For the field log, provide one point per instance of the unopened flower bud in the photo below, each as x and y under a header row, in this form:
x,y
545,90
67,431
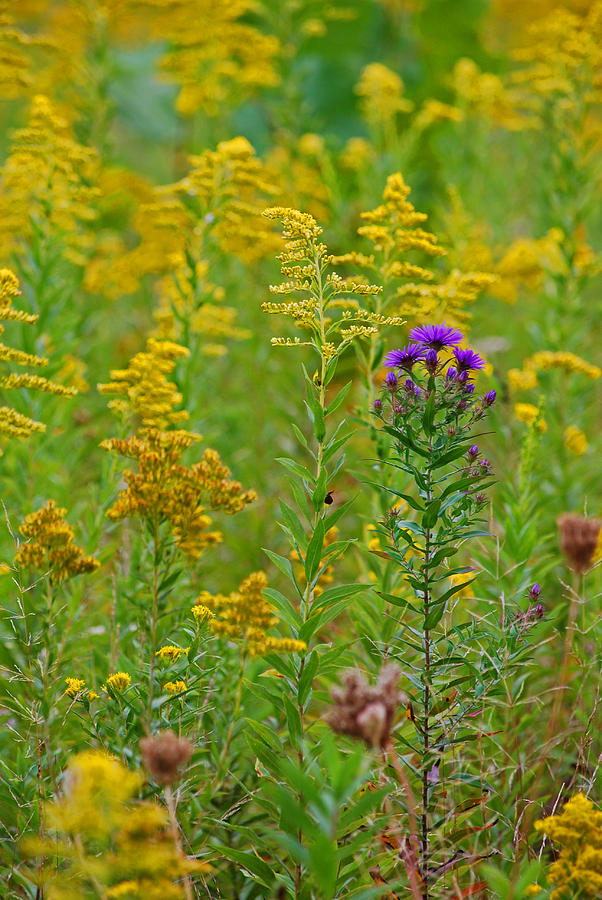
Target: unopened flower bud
x,y
431,361
164,754
489,398
535,592
451,373
463,377
378,405
472,453
391,380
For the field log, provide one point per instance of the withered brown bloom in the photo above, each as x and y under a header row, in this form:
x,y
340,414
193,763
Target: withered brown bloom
x,y
364,711
579,540
163,755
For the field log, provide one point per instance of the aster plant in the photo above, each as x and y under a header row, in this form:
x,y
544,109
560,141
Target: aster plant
x,y
429,407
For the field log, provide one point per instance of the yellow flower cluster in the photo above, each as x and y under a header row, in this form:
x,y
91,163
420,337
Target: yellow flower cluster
x,y
48,183
50,547
76,689
171,653
395,229
485,95
381,94
526,378
164,490
13,423
531,415
16,51
575,440
146,396
110,844
118,682
215,56
577,833
175,687
563,56
245,615
306,264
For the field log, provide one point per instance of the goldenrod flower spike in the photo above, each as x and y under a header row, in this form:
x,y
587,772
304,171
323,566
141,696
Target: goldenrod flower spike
x,y
50,546
13,423
577,835
245,616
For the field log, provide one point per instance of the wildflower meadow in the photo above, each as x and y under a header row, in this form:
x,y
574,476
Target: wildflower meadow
x,y
300,454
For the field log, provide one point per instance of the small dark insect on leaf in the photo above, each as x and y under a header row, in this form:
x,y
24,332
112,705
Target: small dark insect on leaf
x,y
328,499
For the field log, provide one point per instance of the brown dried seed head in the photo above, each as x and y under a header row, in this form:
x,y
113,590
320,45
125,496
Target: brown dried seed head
x,y
163,754
366,712
578,540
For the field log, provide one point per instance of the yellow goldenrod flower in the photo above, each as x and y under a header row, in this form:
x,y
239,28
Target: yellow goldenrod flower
x,y
577,834
381,93
147,396
125,841
92,695
50,546
171,653
13,423
74,686
245,616
567,362
48,178
202,613
575,440
527,412
119,681
463,578
164,490
175,687
523,380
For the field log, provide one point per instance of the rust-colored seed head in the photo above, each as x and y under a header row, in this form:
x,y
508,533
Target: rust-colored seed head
x,y
163,754
366,712
578,540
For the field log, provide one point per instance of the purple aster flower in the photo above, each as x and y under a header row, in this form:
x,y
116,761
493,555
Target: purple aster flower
x,y
468,359
451,373
436,336
405,357
489,398
472,452
391,380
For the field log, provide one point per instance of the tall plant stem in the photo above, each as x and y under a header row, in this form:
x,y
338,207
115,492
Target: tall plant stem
x,y
154,618
175,830
427,696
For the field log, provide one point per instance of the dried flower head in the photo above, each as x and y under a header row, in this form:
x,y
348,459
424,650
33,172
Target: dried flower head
x,y
366,712
579,540
164,754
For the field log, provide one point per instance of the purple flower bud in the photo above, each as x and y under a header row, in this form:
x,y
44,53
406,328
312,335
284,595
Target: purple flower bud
x,y
417,391
538,611
397,410
469,388
451,373
489,398
378,405
409,385
535,592
481,498
472,452
463,377
451,431
485,464
431,361
462,405
391,380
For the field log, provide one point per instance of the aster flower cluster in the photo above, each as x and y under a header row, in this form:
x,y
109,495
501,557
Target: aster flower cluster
x,y
438,384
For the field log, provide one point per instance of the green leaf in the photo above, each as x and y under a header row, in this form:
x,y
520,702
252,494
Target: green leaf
x,y
314,551
295,468
429,414
430,516
319,494
284,607
281,562
257,867
342,592
310,671
434,617
340,397
293,522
